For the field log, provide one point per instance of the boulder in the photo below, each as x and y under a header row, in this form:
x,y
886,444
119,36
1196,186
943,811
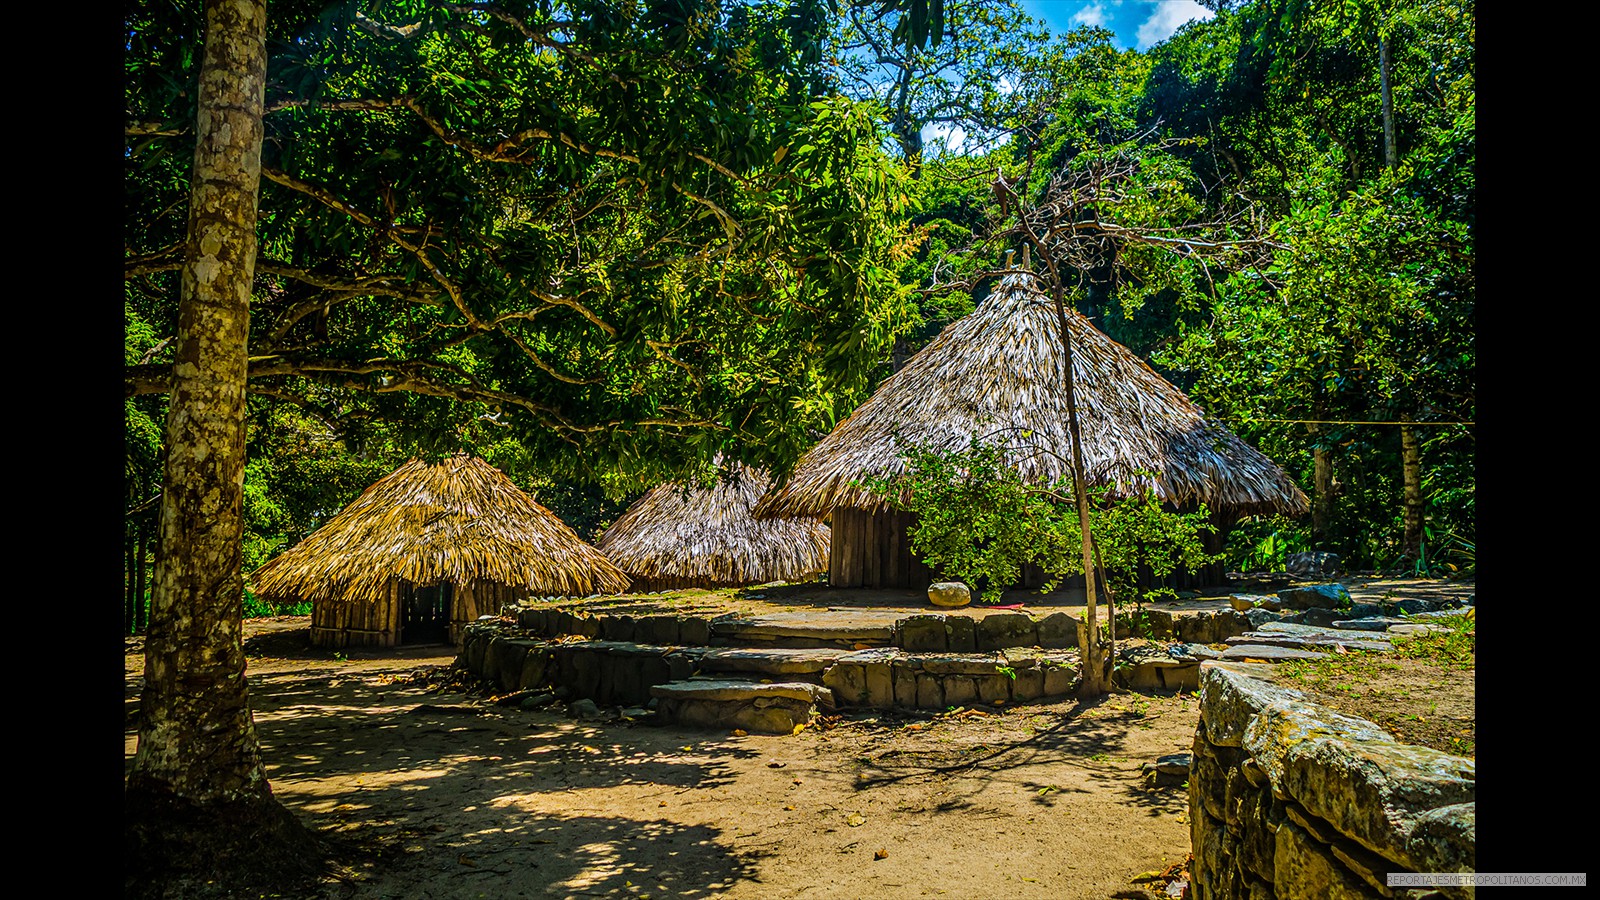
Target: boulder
x,y
949,594
923,633
1331,595
1000,630
1260,617
1313,563
1059,630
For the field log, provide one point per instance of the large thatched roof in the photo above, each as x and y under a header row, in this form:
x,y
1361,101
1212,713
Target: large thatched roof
x,y
707,534
459,521
997,373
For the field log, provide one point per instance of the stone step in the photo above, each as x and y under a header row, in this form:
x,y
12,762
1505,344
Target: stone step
x,y
773,661
1311,642
1370,623
835,628
625,673
1320,632
1170,669
808,628
1418,628
775,708
1268,653
1397,625
608,672
889,677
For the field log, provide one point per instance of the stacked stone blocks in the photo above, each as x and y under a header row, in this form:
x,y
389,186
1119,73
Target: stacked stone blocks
x,y
1292,801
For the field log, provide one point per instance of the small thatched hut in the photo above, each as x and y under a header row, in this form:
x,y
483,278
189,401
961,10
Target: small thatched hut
x,y
997,373
427,549
679,536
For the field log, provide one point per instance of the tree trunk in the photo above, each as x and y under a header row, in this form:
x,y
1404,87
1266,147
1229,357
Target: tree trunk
x,y
1391,155
197,802
1321,481
1411,469
141,615
1410,447
128,609
1322,503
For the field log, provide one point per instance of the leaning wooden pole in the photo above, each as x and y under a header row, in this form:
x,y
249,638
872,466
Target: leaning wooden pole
x,y
1093,665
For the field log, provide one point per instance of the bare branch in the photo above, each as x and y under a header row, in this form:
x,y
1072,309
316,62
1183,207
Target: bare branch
x,y
166,259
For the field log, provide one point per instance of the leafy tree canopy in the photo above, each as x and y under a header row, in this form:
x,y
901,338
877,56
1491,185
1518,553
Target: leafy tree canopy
x,y
631,235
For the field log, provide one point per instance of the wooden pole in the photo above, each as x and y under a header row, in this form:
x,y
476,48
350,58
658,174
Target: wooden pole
x,y
1093,666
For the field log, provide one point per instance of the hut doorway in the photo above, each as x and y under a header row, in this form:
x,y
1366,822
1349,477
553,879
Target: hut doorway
x,y
425,613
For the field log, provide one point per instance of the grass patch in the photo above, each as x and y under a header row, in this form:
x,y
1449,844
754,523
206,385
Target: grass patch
x,y
1420,692
1452,649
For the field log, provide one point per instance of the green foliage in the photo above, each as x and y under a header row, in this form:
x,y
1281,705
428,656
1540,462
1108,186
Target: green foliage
x,y
1137,534
257,608
1363,317
977,522
1262,544
992,65
629,235
1455,648
1366,314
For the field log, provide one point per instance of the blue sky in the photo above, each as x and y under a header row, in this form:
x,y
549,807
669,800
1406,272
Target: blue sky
x,y
1138,24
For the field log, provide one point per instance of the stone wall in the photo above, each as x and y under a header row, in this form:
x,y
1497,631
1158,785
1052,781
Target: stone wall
x,y
623,673
1294,801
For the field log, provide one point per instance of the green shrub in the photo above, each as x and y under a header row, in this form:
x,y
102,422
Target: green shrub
x,y
979,523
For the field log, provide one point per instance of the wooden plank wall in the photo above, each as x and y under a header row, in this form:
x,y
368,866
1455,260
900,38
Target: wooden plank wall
x,y
339,624
873,551
645,584
480,598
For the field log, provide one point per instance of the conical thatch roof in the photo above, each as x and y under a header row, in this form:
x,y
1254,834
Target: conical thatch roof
x,y
997,373
708,534
459,521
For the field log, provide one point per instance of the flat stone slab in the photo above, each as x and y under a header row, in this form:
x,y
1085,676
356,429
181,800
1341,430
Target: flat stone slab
x,y
1417,628
873,656
1443,613
1308,642
1370,623
741,691
798,661
863,625
1173,764
1318,631
960,664
1194,652
1269,653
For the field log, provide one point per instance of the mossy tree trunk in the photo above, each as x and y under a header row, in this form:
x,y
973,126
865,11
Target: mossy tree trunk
x,y
198,802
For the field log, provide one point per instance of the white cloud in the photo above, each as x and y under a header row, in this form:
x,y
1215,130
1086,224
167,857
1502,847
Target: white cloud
x,y
953,137
1094,15
1166,19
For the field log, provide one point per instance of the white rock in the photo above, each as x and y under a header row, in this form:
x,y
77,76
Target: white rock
x,y
949,594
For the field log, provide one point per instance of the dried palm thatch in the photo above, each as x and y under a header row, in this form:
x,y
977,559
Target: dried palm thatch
x,y
680,534
460,521
997,373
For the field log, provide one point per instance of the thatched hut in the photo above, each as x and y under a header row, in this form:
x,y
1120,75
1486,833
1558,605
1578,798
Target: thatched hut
x,y
427,549
680,536
997,373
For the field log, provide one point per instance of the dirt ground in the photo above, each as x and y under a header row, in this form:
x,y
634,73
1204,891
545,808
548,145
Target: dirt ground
x,y
449,796
463,799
